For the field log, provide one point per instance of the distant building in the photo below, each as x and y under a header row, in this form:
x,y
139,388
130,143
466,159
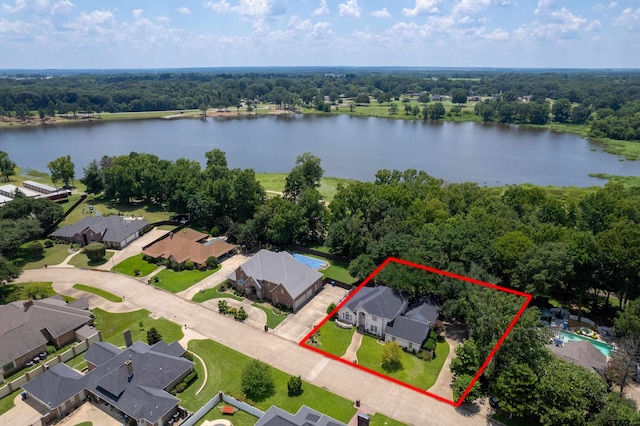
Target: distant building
x,y
189,244
32,189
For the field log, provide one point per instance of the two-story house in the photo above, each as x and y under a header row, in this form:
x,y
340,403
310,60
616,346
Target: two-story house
x,y
371,309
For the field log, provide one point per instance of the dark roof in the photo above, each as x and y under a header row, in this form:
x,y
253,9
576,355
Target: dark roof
x,y
25,325
380,301
140,395
581,353
113,229
408,329
280,268
426,311
305,416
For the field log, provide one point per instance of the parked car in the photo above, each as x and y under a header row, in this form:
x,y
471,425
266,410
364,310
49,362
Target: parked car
x,y
36,360
43,355
29,364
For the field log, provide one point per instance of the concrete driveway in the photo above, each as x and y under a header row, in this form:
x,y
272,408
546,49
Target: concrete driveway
x,y
297,325
25,412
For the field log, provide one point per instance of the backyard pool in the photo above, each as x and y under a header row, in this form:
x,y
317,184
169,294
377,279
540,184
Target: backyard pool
x,y
310,261
602,347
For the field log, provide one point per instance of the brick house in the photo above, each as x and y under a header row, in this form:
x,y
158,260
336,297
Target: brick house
x,y
189,244
112,231
278,278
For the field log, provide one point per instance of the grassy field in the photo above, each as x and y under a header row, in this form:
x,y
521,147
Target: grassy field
x,y
130,264
335,340
273,319
382,420
52,256
176,282
112,326
81,260
225,366
214,293
275,182
626,181
98,292
150,212
118,116
416,372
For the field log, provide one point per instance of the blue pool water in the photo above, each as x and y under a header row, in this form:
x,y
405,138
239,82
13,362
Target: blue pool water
x,y
602,347
309,261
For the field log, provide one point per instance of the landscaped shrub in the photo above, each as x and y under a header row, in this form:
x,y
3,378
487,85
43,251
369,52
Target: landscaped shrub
x,y
432,334
232,311
175,266
257,381
188,355
215,231
241,315
331,307
191,377
48,243
223,307
212,262
51,349
153,336
95,251
189,265
180,387
294,385
136,272
34,249
429,345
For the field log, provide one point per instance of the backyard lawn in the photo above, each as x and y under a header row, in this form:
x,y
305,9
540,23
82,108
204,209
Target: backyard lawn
x,y
176,282
112,326
129,266
52,256
150,212
273,319
335,340
275,182
416,372
337,270
81,260
32,290
98,292
225,366
214,293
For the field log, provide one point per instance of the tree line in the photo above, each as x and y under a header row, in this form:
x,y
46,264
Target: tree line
x,y
608,101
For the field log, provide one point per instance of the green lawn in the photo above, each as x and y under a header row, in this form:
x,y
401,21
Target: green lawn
x,y
6,403
85,424
225,366
81,260
336,270
335,340
275,182
52,256
273,319
77,362
112,326
99,292
129,265
239,418
382,420
416,372
176,282
214,293
150,212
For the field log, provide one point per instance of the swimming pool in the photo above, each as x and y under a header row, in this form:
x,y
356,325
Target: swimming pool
x,y
310,261
602,347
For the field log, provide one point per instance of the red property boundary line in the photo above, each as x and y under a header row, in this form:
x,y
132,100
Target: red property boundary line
x,y
460,400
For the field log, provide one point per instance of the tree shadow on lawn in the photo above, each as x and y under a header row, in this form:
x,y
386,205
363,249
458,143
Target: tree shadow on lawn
x,y
97,262
468,409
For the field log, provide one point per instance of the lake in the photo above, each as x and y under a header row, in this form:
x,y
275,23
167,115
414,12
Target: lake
x,y
350,147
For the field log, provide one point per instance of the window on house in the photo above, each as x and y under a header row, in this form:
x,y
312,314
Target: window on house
x,y
374,329
8,366
410,345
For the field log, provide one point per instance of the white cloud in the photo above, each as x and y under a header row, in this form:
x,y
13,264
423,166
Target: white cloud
x,y
628,18
323,9
555,25
470,6
38,6
504,2
15,28
62,6
422,7
382,13
221,6
613,5
184,10
350,8
137,12
544,5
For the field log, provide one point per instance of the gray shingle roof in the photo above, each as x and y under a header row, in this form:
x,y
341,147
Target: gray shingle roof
x,y
113,229
101,352
408,329
56,385
141,396
426,311
23,330
281,268
581,353
380,301
305,416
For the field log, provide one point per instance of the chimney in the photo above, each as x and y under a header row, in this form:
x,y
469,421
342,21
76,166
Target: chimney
x,y
129,365
27,305
127,338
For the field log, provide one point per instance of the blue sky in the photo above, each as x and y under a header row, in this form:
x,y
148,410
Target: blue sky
x,y
214,33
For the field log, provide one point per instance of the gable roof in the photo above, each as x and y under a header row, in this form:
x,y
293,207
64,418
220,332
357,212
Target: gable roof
x,y
581,353
276,416
425,311
140,395
184,245
408,329
280,268
381,301
26,325
113,229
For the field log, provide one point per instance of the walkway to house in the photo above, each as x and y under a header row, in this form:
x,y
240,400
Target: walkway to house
x,y
352,350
